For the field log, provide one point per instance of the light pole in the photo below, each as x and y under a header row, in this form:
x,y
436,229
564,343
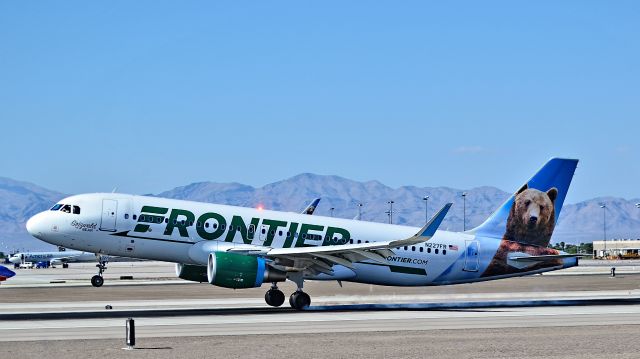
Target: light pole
x,y
604,227
426,208
464,211
390,212
360,211
332,209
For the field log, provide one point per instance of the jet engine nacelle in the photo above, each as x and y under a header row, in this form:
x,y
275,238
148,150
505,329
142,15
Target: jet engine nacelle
x,y
232,270
191,272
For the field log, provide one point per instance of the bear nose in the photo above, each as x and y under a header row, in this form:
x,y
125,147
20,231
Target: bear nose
x,y
533,219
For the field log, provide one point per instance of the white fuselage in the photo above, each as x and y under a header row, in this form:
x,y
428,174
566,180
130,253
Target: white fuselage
x,y
175,231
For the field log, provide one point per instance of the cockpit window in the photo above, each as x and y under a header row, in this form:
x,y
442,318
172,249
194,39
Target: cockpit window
x,y
66,208
76,210
56,207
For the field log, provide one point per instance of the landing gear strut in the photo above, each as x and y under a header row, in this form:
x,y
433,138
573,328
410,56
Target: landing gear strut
x,y
274,296
97,280
299,300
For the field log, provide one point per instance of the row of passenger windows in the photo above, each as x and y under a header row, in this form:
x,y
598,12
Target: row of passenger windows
x,y
316,237
66,208
406,248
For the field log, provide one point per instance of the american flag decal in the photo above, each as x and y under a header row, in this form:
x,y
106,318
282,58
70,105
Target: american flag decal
x,y
453,248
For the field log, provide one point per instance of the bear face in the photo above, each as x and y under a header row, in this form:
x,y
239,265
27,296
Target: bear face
x,y
532,216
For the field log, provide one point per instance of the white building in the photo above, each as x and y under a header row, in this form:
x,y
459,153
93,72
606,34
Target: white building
x,y
624,248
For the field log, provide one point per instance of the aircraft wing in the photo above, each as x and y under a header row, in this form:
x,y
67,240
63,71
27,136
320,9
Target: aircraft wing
x,y
321,259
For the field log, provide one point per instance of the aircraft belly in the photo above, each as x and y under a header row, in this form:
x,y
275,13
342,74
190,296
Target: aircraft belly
x,y
397,275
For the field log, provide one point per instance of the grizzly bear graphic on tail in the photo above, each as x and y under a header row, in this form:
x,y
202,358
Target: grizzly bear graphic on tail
x,y
529,227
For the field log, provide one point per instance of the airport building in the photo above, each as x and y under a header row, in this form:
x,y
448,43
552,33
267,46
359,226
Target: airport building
x,y
620,248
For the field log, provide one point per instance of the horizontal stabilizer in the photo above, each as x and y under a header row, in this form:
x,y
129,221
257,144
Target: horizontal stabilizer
x,y
542,258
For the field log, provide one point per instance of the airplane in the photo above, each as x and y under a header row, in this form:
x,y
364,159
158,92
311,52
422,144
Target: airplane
x,y
237,247
5,273
56,258
311,207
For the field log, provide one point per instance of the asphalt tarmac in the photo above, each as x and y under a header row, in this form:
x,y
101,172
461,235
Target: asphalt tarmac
x,y
567,315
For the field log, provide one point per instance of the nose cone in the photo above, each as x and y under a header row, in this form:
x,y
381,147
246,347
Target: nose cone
x,y
35,226
14,260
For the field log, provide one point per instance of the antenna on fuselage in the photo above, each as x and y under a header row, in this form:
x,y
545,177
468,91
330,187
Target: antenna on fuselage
x,y
114,189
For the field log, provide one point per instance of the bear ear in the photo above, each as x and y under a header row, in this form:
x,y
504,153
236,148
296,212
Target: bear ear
x,y
553,194
525,187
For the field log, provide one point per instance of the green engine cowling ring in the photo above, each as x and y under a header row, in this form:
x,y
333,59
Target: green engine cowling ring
x,y
232,270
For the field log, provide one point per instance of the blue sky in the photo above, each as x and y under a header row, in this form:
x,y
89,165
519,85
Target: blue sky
x,y
149,95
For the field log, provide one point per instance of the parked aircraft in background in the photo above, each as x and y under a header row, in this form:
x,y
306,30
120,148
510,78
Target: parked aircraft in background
x,y
55,258
311,207
237,247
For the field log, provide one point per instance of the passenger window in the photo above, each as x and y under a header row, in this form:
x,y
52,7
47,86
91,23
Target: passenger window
x,y
358,241
126,216
413,248
198,224
436,250
206,224
428,250
406,248
215,226
166,220
288,234
66,208
264,231
421,249
230,228
223,226
251,228
351,241
444,251
134,217
280,233
304,236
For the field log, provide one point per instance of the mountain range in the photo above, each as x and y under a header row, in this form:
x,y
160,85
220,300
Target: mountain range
x,y
579,222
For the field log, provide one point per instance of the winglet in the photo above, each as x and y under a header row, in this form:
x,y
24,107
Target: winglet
x,y
430,228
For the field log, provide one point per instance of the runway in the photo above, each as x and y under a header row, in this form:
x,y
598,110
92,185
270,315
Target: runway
x,y
518,317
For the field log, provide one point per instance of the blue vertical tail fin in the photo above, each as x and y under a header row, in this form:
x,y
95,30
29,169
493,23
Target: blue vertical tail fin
x,y
529,215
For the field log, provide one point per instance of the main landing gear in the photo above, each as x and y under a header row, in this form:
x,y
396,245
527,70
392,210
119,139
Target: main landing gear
x,y
97,280
299,300
274,296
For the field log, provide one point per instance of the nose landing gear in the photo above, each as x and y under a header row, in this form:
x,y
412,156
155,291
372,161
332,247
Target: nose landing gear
x,y
97,280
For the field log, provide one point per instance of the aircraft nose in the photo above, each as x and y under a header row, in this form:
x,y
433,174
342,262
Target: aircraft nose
x,y
14,260
35,225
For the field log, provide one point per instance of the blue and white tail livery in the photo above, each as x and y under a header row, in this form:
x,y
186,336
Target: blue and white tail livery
x,y
238,247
